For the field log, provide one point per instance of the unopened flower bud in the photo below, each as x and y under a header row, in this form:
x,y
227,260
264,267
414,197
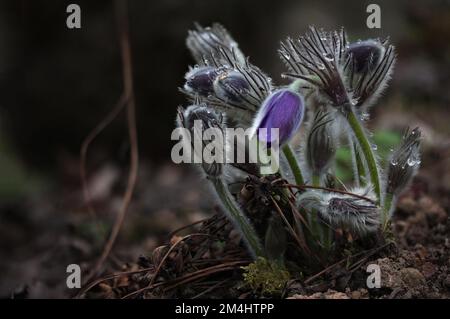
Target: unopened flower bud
x,y
200,80
404,163
360,215
365,54
205,43
282,110
231,86
321,143
207,118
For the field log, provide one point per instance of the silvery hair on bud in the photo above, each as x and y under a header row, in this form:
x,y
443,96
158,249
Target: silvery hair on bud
x,y
369,84
210,119
359,215
321,142
205,43
404,162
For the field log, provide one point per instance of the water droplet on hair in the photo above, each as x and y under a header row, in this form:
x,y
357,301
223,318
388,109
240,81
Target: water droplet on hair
x,y
321,66
374,147
328,56
365,116
412,161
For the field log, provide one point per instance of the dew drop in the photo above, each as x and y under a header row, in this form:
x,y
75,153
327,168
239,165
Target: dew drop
x,y
328,56
321,66
374,147
411,162
364,116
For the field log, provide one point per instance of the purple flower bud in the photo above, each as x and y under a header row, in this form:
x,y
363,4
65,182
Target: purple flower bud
x,y
366,54
283,110
231,86
200,80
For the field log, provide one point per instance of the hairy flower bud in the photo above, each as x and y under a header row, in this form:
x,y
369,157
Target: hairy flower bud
x,y
207,118
282,110
316,58
321,143
365,54
238,87
404,162
199,80
368,68
357,213
205,44
231,86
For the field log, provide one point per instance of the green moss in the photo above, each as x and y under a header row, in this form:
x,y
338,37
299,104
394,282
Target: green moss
x,y
267,276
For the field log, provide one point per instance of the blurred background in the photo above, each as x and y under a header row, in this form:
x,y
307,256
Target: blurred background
x,y
57,84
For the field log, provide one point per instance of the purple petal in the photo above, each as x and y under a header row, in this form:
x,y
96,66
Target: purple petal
x,y
283,110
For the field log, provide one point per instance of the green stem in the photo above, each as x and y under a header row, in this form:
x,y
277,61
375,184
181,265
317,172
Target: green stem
x,y
322,231
388,200
359,167
293,163
313,223
359,171
316,180
238,217
366,149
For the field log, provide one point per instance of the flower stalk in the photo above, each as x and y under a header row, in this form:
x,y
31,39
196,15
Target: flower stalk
x,y
294,165
367,151
238,217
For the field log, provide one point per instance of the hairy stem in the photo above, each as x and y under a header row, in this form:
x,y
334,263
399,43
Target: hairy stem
x,y
388,200
313,222
367,151
238,217
321,230
360,167
359,172
293,163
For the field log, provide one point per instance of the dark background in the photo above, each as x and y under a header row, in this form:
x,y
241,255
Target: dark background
x,y
57,83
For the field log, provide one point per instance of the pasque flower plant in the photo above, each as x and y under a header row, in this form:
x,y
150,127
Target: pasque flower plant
x,y
333,83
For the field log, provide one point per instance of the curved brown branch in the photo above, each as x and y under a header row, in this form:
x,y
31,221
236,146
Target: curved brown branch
x,y
84,150
122,20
